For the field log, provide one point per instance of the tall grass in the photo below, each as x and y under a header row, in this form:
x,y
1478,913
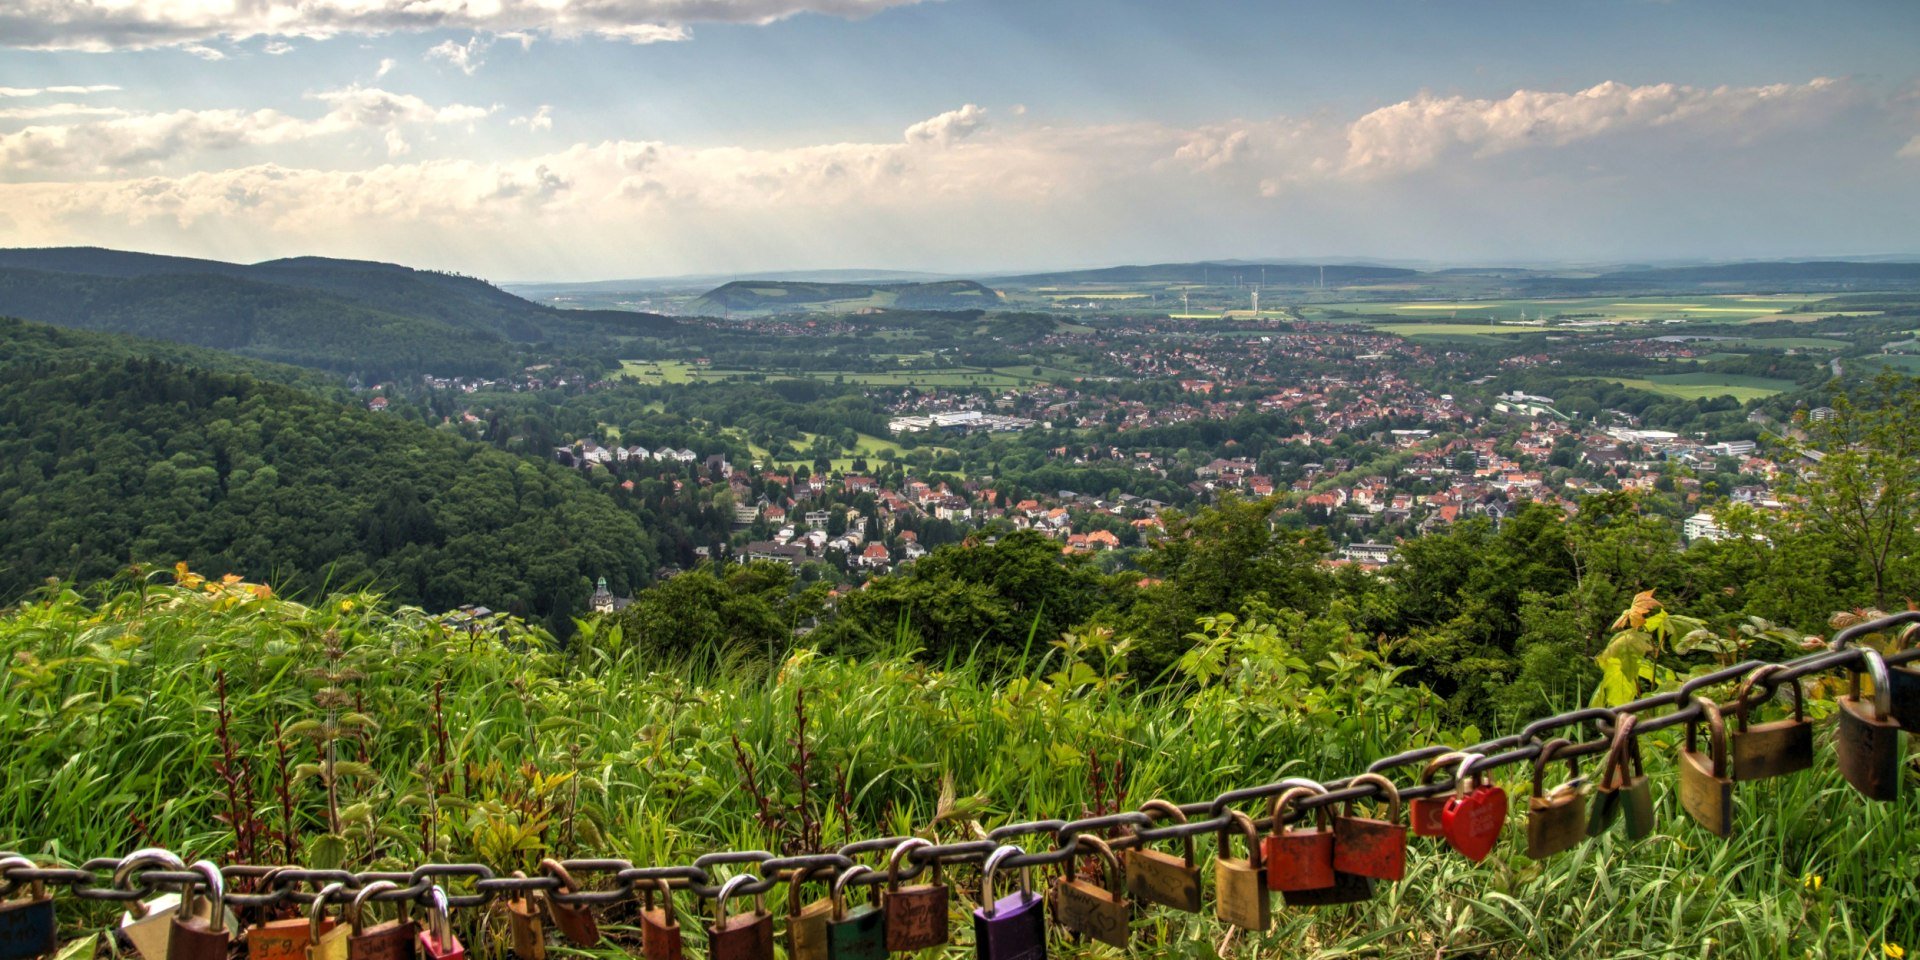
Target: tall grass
x,y
110,737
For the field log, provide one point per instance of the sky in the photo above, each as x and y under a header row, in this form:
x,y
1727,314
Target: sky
x,y
526,140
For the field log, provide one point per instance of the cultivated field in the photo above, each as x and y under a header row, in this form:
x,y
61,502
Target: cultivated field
x,y
1692,386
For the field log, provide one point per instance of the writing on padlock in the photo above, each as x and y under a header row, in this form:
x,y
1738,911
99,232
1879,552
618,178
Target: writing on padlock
x,y
281,938
1102,910
917,914
1163,878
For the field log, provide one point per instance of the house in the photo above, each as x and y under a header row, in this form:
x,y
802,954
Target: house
x,y
874,557
1702,526
788,553
377,404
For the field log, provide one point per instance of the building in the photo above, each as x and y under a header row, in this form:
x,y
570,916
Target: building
x,y
1702,526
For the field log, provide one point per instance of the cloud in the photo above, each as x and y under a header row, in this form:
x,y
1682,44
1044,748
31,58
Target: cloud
x,y
138,24
386,67
467,56
949,127
1912,149
276,48
66,90
542,119
59,110
131,141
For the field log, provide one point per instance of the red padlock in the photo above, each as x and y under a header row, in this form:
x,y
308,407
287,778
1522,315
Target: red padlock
x,y
1423,813
437,940
1474,817
1298,859
1368,847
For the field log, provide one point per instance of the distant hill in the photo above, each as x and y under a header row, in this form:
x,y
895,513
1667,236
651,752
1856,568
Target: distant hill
x,y
775,296
1788,272
349,316
1218,272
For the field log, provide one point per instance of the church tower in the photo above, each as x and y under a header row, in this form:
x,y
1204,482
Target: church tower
x,y
602,599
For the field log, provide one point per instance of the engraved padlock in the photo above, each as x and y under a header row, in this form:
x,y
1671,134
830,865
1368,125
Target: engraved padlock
x,y
1867,742
326,938
857,933
575,921
437,939
1557,818
148,924
394,939
660,937
195,937
526,925
1367,847
1098,910
28,927
1013,927
1240,896
1706,789
1774,748
1423,813
1298,859
916,914
1162,878
807,922
740,936
279,938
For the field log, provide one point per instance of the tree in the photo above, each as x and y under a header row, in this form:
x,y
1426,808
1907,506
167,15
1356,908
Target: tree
x,y
1863,489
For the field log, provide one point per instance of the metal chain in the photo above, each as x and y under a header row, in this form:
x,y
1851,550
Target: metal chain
x,y
283,885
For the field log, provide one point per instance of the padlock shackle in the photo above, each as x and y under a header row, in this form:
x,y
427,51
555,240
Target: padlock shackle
x,y
1742,699
1876,667
1163,810
1387,790
1000,853
900,852
840,885
1255,857
1099,847
1462,779
646,886
439,917
1624,747
1434,766
216,891
37,887
360,900
794,879
1277,814
318,911
1548,751
558,870
720,900
1716,733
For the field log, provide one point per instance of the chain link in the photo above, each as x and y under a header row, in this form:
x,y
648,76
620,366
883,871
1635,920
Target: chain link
x,y
291,885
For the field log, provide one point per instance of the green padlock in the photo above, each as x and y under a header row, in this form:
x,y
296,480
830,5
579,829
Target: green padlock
x,y
859,933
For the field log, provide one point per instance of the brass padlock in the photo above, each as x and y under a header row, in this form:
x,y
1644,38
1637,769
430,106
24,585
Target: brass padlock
x,y
195,937
1623,787
859,933
1423,813
1556,819
1366,846
660,937
326,939
148,924
741,936
1240,890
1771,749
917,916
574,920
1158,877
283,938
1090,909
807,925
395,939
1867,743
1706,791
28,927
526,926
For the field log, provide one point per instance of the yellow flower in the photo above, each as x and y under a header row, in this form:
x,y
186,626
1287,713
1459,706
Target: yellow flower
x,y
1892,950
186,578
346,606
261,591
230,578
1812,881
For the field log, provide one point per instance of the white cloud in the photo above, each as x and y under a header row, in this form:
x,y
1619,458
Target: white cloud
x,y
135,24
276,48
949,127
67,90
542,119
467,56
203,51
59,110
386,67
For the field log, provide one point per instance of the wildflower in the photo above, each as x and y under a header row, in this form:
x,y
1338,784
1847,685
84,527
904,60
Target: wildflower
x,y
261,591
1892,950
186,578
1812,881
346,606
230,579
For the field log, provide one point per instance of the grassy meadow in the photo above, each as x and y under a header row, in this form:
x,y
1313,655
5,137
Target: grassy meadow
x,y
1693,386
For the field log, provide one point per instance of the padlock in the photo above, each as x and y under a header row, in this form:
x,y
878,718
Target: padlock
x,y
1091,909
916,915
1298,859
28,927
1623,785
1365,847
148,924
742,936
1903,694
526,925
326,938
1476,813
1774,748
1240,895
1158,877
1013,927
574,920
1706,792
1346,888
1423,813
280,939
807,925
195,937
859,933
391,940
437,939
659,926
1867,743
1556,819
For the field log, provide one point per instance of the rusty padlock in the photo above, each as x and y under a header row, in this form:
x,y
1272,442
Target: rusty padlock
x,y
1298,859
741,936
1706,791
1158,877
807,925
148,924
526,925
27,924
859,933
659,926
1623,787
574,920
284,938
1867,743
1423,813
394,939
1366,847
1771,749
326,939
437,939
1240,895
1013,927
1557,818
195,937
916,915
1087,909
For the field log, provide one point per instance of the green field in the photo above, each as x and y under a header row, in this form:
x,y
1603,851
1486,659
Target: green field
x,y
1715,309
1693,386
1786,343
1905,363
1455,330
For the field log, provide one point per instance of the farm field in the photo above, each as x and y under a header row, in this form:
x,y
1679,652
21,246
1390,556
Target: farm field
x,y
1786,343
1693,386
1903,362
1455,330
1717,309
